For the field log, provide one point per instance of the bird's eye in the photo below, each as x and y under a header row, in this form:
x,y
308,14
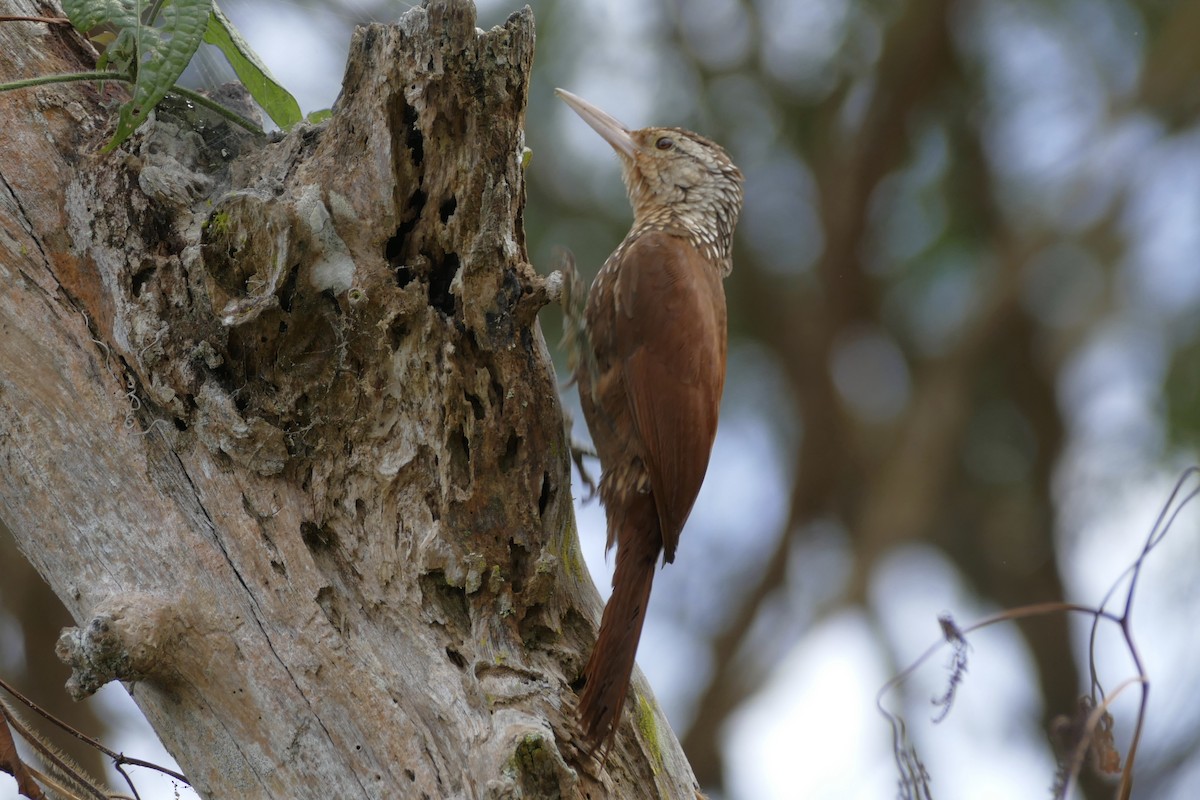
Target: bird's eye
x,y
664,143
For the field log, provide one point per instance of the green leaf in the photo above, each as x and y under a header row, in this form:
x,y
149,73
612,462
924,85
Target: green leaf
x,y
254,75
119,52
86,15
318,116
163,54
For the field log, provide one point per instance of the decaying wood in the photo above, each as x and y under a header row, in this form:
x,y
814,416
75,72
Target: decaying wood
x,y
280,428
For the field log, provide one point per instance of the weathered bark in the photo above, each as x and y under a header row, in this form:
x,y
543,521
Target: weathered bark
x,y
279,427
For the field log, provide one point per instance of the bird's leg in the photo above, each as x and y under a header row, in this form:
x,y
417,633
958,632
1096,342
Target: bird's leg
x,y
579,451
579,354
575,339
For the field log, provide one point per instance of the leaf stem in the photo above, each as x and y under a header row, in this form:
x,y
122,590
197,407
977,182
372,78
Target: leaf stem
x,y
214,106
195,97
47,20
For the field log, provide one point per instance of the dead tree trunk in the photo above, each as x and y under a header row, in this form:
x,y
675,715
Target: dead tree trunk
x,y
279,427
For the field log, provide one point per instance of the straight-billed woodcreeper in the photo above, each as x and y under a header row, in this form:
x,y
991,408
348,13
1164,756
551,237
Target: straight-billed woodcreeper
x,y
651,384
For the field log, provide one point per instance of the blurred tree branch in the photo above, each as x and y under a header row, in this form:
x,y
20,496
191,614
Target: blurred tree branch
x,y
894,483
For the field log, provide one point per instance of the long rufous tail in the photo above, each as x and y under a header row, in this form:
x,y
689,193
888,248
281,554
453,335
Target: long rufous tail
x,y
610,667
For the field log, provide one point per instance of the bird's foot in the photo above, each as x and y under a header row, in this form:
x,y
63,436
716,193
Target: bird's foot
x,y
579,451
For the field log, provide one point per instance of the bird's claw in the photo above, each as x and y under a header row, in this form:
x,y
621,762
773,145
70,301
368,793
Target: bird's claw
x,y
579,451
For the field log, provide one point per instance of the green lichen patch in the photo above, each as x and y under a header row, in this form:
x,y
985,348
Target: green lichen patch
x,y
647,724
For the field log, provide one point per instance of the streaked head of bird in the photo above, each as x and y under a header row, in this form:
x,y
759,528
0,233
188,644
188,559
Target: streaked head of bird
x,y
674,178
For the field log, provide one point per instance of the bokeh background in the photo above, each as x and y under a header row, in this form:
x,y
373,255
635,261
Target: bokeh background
x,y
964,369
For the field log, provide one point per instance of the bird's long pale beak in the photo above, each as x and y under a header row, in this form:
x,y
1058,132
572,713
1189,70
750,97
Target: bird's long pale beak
x,y
609,127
